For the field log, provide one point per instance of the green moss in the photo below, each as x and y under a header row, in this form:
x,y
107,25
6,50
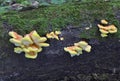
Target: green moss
x,y
59,16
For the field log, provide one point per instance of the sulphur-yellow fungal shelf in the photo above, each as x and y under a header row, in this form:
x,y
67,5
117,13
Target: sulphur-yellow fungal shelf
x,y
105,30
16,38
112,29
54,35
77,48
31,43
103,21
84,45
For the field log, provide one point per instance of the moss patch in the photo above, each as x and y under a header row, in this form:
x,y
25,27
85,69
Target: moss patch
x,y
56,17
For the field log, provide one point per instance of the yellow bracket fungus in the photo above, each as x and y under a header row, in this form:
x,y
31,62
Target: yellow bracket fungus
x,y
54,35
105,30
103,21
77,48
31,43
16,38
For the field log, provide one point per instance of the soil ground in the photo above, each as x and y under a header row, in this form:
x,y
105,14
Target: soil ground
x,y
54,64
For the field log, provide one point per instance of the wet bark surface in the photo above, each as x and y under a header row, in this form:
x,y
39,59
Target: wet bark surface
x,y
54,64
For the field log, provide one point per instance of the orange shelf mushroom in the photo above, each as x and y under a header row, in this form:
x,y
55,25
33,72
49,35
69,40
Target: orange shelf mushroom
x,y
31,43
77,48
16,38
105,30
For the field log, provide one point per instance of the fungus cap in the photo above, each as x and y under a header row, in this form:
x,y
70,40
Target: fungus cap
x,y
53,35
15,35
61,38
78,48
15,42
82,44
104,35
103,27
112,29
88,48
26,40
31,55
70,50
103,21
44,44
57,32
18,50
35,36
103,31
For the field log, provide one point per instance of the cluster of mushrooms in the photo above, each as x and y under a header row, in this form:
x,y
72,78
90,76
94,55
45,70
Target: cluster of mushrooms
x,y
54,35
77,48
32,43
106,29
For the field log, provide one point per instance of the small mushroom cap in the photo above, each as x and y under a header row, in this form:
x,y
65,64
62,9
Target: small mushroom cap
x,y
56,37
15,41
103,27
87,28
26,40
83,44
49,35
31,55
15,35
103,21
61,38
26,50
73,52
18,50
33,49
80,52
70,50
112,29
52,35
35,36
76,44
88,48
44,44
78,48
57,32
103,31
39,50
16,38
40,40
104,35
